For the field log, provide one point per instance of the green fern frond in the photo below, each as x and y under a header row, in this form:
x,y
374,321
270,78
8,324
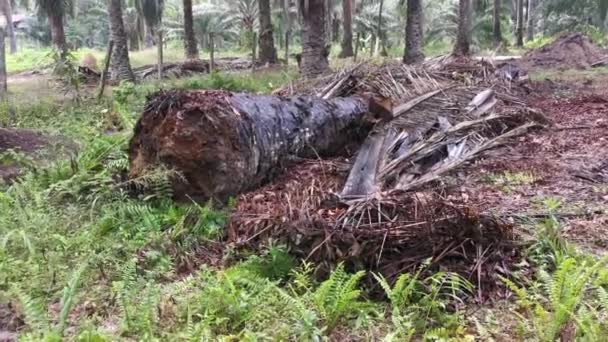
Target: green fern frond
x,y
68,296
33,310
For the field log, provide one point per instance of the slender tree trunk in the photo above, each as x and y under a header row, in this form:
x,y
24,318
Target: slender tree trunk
x,y
327,21
3,76
379,40
121,67
519,33
189,38
268,53
463,39
57,32
602,11
7,11
497,28
148,36
513,7
314,52
285,4
413,33
159,45
347,37
530,24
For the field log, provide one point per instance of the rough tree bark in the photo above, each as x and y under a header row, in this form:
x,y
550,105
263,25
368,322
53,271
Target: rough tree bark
x,y
531,21
519,31
379,38
57,32
7,11
347,37
148,36
314,56
225,143
413,33
121,66
463,39
497,32
3,75
189,38
267,53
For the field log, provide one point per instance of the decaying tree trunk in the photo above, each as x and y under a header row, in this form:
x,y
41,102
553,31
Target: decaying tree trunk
x,y
225,143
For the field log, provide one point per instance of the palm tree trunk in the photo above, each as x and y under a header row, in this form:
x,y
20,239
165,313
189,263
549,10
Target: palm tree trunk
x,y
519,33
7,11
267,53
189,38
463,39
57,32
413,33
148,36
497,28
379,40
314,52
121,66
347,37
3,76
530,23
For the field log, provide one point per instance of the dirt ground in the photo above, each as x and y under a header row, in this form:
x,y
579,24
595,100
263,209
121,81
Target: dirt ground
x,y
567,162
569,50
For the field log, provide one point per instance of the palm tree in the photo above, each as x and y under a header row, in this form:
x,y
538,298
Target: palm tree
x,y
314,52
530,23
496,22
519,30
7,11
413,33
55,10
121,67
463,38
347,37
189,38
268,53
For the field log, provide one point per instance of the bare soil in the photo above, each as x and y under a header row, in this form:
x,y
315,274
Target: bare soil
x,y
568,51
568,162
10,323
35,146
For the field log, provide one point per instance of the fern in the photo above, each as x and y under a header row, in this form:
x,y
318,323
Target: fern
x,y
33,310
337,297
68,297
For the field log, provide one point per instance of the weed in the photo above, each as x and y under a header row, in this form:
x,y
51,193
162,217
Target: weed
x,y
508,180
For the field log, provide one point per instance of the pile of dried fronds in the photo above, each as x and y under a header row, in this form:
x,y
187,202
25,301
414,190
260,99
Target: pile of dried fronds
x,y
377,217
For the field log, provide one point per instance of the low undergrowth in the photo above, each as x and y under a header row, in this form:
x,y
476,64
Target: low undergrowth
x,y
84,257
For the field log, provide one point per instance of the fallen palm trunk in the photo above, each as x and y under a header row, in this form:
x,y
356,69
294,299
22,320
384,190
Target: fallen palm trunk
x,y
191,68
224,143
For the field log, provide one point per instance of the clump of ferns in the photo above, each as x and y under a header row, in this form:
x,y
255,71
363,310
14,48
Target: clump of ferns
x,y
155,183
